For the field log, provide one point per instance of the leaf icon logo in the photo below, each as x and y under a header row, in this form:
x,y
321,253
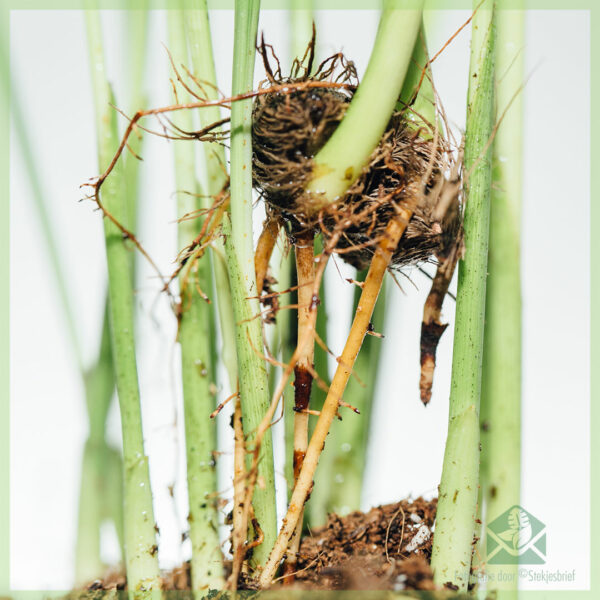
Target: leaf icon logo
x,y
519,532
516,537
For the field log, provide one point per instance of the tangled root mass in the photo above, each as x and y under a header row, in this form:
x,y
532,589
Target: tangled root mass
x,y
407,168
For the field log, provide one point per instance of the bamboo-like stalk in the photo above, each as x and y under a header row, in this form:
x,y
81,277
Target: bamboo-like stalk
x,y
455,522
102,468
203,65
340,162
501,378
195,316
360,326
237,228
140,538
200,46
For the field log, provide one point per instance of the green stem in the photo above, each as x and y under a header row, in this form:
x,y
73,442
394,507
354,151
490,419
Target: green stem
x,y
455,522
203,66
100,380
417,90
140,539
196,357
237,228
338,164
302,16
501,379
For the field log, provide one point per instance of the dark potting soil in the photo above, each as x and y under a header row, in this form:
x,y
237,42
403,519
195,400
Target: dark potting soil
x,y
387,548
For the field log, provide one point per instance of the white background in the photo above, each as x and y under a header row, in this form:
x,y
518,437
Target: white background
x,y
48,426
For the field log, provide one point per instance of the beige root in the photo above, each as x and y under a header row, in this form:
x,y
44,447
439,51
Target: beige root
x,y
381,260
264,250
240,515
307,338
249,476
305,268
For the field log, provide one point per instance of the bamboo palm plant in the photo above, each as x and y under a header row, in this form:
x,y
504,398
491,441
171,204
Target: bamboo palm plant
x,y
218,260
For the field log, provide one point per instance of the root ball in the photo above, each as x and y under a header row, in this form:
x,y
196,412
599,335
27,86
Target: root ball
x,y
287,131
408,169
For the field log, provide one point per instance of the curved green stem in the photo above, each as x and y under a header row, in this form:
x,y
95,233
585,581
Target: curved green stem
x,y
340,162
455,522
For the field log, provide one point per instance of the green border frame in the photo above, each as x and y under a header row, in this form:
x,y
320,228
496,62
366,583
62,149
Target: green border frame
x,y
7,5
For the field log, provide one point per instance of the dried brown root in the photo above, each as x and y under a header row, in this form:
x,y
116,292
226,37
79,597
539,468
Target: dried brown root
x,y
210,133
432,328
360,325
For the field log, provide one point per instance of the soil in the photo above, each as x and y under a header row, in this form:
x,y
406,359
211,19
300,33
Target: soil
x,y
387,548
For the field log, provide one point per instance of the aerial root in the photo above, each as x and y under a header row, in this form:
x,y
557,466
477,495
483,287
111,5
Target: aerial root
x,y
303,374
432,328
379,264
